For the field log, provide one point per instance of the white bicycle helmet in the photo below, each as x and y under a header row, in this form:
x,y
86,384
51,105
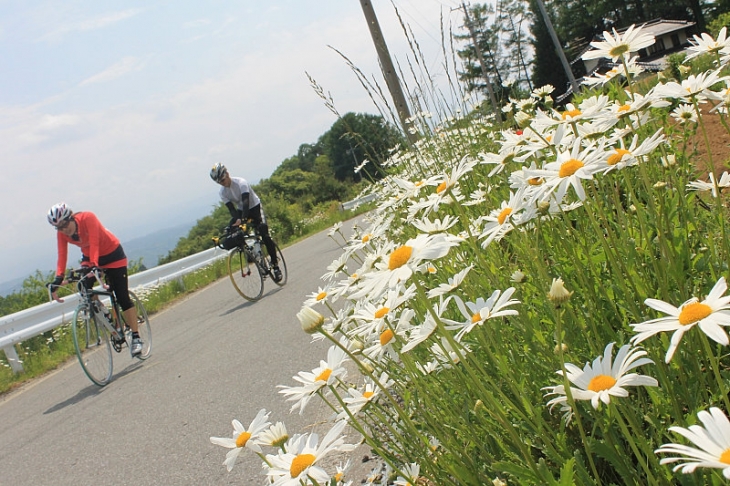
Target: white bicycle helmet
x,y
217,172
59,213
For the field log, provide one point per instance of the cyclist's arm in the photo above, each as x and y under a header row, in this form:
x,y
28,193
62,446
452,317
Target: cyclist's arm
x,y
62,254
244,205
235,213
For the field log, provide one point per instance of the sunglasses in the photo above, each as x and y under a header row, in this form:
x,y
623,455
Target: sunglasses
x,y
63,225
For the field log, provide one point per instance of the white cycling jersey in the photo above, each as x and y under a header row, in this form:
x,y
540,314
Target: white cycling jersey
x,y
233,193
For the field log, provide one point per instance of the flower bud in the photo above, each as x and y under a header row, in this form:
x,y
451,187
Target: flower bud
x,y
558,293
310,319
518,277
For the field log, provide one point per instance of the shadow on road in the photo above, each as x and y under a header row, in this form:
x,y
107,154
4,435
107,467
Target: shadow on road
x,y
249,303
89,391
94,390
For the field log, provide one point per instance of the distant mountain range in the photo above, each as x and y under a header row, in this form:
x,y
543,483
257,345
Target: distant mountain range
x,y
150,248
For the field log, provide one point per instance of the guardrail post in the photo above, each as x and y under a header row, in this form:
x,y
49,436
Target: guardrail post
x,y
13,359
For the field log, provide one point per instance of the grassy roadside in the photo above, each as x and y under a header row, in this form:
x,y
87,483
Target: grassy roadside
x,y
50,350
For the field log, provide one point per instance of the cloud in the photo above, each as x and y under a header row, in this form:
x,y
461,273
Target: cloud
x,y
117,70
93,23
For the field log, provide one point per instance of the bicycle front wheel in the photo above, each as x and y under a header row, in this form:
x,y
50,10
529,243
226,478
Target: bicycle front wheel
x,y
93,347
245,275
143,326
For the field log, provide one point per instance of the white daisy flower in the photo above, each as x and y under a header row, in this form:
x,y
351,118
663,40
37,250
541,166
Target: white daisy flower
x,y
301,461
402,262
711,185
684,113
327,373
712,438
274,436
603,379
568,170
243,437
450,285
621,157
705,44
482,310
695,88
710,315
619,46
411,472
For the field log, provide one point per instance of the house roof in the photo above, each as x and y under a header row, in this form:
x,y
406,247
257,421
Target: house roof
x,y
659,27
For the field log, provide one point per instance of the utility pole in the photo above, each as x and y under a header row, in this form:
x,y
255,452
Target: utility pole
x,y
386,65
485,73
558,47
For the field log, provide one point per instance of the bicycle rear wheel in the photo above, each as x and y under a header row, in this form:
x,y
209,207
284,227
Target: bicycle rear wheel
x,y
143,326
282,266
93,346
245,275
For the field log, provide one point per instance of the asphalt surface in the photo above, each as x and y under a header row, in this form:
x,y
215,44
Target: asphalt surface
x,y
215,357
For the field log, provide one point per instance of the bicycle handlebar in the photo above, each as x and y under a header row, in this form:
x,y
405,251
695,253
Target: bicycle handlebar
x,y
247,228
75,276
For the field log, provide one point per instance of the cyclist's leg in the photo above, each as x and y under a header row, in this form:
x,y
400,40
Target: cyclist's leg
x,y
119,284
259,218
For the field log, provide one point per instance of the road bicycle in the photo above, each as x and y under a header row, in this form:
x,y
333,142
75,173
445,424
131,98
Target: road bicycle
x,y
249,263
96,330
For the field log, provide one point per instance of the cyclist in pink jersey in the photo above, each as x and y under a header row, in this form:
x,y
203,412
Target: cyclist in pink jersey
x,y
100,249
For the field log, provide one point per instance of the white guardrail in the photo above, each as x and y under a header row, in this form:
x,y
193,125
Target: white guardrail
x,y
28,323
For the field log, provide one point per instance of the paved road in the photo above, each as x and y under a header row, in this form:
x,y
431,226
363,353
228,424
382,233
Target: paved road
x,y
215,357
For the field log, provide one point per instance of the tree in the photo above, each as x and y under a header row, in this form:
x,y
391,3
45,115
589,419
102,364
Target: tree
x,y
547,68
504,44
356,138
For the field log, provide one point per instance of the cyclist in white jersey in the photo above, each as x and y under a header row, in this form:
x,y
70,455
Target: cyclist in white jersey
x,y
243,204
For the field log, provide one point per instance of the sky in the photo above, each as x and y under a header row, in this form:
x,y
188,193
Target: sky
x,y
121,108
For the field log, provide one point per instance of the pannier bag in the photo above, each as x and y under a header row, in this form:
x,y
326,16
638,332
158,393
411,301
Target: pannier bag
x,y
233,240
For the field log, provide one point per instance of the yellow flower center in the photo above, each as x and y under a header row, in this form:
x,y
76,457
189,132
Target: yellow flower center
x,y
300,463
419,183
324,376
368,394
503,215
476,318
570,167
619,50
615,158
321,296
339,476
381,312
242,439
399,257
431,269
366,238
535,181
623,108
441,187
601,382
571,113
385,337
693,312
725,456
